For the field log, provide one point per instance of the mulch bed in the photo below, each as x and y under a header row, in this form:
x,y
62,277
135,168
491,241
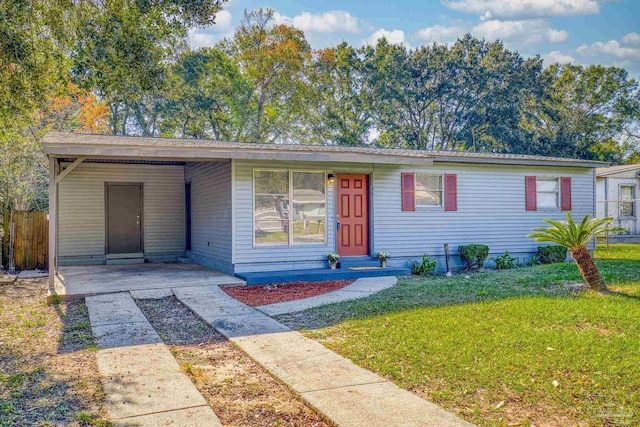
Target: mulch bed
x,y
272,293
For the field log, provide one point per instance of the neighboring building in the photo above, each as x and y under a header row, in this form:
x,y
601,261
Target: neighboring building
x,y
240,207
617,196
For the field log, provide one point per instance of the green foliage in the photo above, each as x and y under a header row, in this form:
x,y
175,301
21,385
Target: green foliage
x,y
552,254
505,261
383,256
424,267
575,237
473,255
534,260
571,234
333,258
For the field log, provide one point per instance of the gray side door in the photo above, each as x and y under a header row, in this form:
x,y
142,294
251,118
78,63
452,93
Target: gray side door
x,y
124,218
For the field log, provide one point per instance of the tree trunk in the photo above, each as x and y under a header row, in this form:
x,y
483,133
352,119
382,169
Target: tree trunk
x,y
588,268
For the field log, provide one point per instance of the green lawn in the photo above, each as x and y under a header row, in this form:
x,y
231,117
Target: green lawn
x,y
515,347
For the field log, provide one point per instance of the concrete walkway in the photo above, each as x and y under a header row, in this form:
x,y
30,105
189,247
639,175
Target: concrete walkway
x,y
142,381
361,288
345,393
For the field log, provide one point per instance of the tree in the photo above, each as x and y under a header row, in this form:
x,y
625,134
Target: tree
x,y
339,97
122,50
33,64
76,110
272,59
575,237
209,97
584,109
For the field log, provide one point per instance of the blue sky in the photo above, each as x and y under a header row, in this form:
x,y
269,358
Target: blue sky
x,y
578,31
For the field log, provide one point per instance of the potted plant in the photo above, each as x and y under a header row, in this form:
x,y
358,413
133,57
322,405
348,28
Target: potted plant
x,y
383,257
333,259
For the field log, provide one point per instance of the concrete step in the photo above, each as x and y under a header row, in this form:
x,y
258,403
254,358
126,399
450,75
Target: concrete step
x,y
184,260
125,261
319,275
359,261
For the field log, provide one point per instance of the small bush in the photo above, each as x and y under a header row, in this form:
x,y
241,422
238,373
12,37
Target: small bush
x,y
505,261
552,254
425,267
473,255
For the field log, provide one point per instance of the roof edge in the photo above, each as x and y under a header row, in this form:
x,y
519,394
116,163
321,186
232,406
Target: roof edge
x,y
65,144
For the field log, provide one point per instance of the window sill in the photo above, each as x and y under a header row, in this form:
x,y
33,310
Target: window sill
x,y
283,246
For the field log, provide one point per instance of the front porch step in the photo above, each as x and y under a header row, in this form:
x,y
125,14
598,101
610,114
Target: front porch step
x,y
319,275
184,260
125,261
359,261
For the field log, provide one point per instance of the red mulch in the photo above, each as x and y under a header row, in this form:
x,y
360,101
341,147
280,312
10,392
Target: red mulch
x,y
268,294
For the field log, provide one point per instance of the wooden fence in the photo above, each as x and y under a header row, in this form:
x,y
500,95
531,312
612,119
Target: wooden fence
x,y
30,239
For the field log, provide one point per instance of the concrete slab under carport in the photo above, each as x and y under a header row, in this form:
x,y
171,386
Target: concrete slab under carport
x,y
74,282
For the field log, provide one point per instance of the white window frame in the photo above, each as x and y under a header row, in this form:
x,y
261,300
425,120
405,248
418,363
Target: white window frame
x,y
290,242
557,193
632,201
441,190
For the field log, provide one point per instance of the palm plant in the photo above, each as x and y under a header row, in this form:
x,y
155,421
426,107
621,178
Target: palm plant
x,y
575,236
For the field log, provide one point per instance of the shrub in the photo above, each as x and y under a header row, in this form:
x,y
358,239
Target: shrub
x,y
552,254
333,258
473,255
505,261
425,267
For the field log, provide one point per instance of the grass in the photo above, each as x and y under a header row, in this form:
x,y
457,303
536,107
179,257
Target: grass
x,y
517,347
48,368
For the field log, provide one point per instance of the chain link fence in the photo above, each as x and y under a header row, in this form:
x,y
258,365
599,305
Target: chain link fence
x,y
625,214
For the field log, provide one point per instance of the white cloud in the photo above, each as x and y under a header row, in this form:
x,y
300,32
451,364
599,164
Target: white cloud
x,y
559,57
612,48
393,37
528,30
631,39
208,36
441,33
620,53
514,9
335,21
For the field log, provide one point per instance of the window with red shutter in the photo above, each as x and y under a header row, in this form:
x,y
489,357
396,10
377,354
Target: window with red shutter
x,y
408,192
531,202
565,193
450,192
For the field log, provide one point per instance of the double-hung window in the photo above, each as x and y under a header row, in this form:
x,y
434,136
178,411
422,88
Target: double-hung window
x,y
428,190
289,207
627,200
548,193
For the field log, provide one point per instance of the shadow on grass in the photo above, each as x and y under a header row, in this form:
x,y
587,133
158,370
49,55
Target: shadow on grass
x,y
31,395
548,281
43,380
76,328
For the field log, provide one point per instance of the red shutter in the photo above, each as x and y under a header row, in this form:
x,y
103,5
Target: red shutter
x,y
565,193
408,192
450,192
530,193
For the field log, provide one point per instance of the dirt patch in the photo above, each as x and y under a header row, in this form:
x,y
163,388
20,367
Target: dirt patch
x,y
238,390
49,372
272,293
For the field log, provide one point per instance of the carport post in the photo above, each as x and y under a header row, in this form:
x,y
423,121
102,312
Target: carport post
x,y
53,222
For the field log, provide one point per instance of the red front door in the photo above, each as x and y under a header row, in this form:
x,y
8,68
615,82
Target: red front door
x,y
353,215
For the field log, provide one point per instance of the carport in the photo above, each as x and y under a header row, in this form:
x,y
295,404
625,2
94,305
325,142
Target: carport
x,y
78,282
